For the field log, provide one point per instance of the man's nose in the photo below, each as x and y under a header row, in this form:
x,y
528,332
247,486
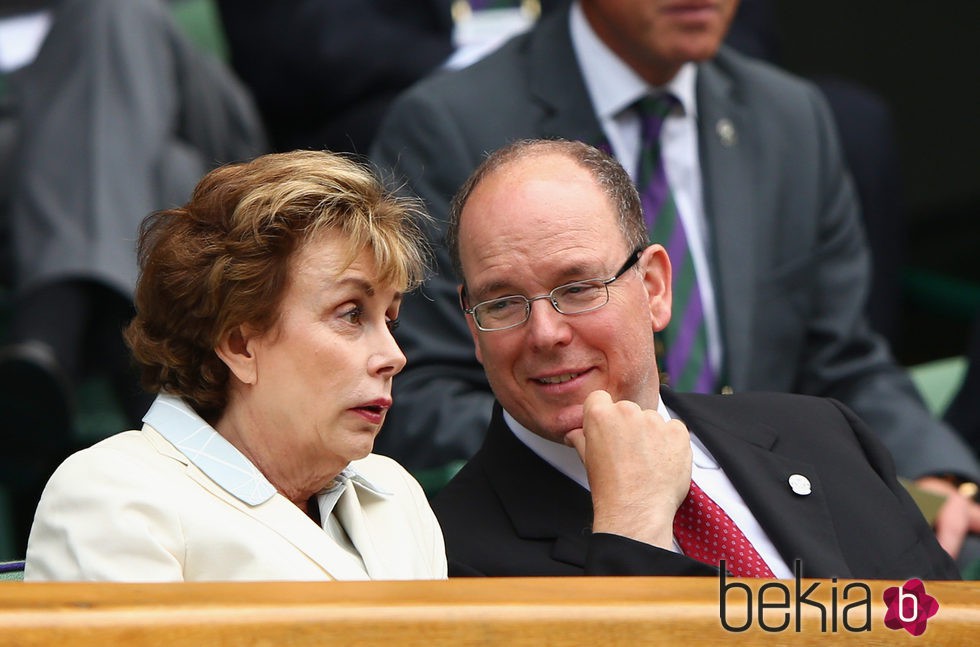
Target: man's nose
x,y
546,326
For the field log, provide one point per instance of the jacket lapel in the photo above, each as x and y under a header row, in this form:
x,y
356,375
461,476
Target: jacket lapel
x,y
556,83
801,527
729,146
278,514
560,509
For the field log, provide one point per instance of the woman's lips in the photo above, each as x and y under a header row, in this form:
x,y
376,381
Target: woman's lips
x,y
373,411
372,415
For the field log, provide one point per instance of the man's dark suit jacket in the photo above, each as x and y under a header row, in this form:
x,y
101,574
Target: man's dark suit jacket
x,y
508,512
790,263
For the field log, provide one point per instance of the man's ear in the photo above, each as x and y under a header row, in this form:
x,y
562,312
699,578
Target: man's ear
x,y
235,350
470,322
656,279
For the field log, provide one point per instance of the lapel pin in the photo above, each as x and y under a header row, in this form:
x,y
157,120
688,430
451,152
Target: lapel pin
x,y
726,132
800,484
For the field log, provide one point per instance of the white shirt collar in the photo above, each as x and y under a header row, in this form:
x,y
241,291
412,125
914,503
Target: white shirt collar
x,y
221,461
612,84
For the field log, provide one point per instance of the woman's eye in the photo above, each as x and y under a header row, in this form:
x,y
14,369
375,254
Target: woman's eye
x,y
353,315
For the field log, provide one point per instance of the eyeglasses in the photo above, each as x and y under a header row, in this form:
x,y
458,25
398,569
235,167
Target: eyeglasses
x,y
568,299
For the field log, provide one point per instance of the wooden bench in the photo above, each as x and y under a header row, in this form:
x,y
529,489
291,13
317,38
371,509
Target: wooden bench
x,y
519,611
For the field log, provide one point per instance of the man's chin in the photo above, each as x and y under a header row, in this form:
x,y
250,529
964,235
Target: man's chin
x,y
562,423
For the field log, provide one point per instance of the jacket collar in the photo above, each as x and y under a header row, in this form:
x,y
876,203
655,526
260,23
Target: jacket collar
x,y
221,461
175,430
559,505
208,450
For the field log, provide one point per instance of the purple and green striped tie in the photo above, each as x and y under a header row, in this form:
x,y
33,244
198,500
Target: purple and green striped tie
x,y
685,357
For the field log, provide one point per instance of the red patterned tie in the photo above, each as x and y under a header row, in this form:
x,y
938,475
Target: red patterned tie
x,y
706,533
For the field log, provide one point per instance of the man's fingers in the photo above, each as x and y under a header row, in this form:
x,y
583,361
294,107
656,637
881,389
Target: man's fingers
x,y
595,399
576,438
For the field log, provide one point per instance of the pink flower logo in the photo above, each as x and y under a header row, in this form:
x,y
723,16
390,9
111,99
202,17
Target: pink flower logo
x,y
909,607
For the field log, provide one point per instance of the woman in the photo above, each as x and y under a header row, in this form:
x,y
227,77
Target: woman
x,y
264,316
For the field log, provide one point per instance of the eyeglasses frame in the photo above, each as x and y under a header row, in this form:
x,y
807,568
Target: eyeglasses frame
x,y
634,257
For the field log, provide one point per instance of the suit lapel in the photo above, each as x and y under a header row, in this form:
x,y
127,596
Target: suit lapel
x,y
559,509
556,83
729,144
801,527
278,514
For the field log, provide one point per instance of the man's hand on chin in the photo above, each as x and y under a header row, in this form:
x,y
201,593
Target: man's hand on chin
x,y
639,468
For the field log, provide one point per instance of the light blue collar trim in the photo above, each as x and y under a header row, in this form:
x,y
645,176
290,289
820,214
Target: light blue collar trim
x,y
208,450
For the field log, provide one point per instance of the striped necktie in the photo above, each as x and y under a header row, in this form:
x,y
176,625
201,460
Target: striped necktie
x,y
685,357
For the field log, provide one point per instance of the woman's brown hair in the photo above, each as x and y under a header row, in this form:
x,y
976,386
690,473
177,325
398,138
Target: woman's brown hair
x,y
222,259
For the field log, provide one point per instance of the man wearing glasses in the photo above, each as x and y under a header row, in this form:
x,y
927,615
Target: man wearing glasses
x,y
588,466
772,223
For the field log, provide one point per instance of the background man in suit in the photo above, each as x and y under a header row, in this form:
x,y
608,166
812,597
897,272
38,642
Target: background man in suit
x,y
754,163
119,114
567,344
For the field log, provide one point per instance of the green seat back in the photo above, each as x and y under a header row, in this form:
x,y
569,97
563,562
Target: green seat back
x,y
201,21
938,382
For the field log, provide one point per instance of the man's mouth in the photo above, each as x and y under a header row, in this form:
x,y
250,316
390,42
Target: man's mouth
x,y
557,379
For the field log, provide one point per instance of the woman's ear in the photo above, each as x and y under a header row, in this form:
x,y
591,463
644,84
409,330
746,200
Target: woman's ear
x,y
235,350
656,279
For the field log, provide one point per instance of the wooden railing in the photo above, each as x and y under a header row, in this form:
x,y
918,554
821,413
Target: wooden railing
x,y
519,611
